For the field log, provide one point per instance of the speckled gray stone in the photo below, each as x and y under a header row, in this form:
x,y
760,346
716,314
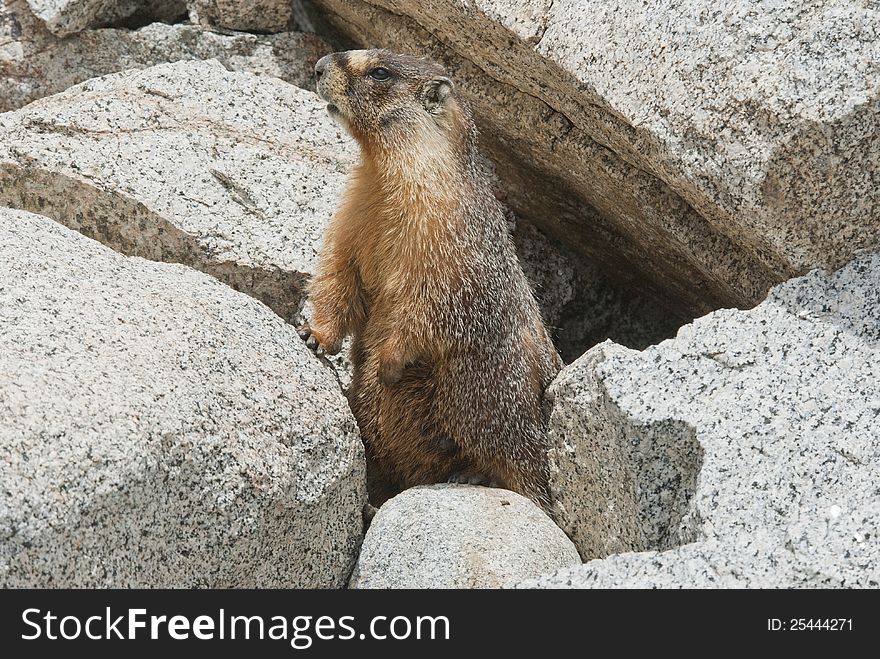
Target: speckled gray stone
x,y
249,15
711,150
232,173
752,438
459,536
160,429
64,17
36,63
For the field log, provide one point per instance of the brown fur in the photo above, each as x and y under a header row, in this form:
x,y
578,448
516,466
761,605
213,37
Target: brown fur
x,y
451,357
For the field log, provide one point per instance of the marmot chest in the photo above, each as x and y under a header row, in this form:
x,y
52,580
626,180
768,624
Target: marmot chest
x,y
395,263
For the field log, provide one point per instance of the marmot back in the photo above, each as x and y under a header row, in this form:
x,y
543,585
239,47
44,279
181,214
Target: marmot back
x,y
451,356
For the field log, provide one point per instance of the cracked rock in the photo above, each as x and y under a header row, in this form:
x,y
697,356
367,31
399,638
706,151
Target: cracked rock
x,y
65,17
246,15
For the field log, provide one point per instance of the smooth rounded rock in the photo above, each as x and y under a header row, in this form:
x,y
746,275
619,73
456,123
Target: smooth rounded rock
x,y
459,536
158,429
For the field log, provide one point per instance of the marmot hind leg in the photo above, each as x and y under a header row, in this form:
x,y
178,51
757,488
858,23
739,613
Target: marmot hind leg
x,y
404,445
497,419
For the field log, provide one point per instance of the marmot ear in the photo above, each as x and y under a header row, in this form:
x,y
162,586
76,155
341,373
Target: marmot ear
x,y
435,92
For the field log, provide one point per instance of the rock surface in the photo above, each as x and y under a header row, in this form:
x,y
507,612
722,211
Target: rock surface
x,y
704,152
752,435
249,15
36,63
228,172
64,17
459,536
160,429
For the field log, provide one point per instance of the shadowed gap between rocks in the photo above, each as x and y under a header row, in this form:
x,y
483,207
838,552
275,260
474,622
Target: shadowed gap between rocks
x,y
144,17
582,305
129,227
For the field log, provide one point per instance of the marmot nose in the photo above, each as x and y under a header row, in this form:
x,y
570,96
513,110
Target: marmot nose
x,y
321,66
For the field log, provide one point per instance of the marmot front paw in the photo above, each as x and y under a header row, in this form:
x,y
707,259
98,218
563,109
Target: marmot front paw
x,y
319,342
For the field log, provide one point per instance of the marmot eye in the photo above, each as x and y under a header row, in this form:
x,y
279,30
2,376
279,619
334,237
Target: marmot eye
x,y
380,74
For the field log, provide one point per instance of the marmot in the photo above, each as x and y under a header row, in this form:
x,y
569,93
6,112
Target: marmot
x,y
451,356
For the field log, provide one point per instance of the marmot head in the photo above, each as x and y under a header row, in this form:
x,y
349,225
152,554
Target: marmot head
x,y
389,101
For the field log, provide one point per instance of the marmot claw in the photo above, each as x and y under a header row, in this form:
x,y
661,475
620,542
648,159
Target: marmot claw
x,y
314,342
467,478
